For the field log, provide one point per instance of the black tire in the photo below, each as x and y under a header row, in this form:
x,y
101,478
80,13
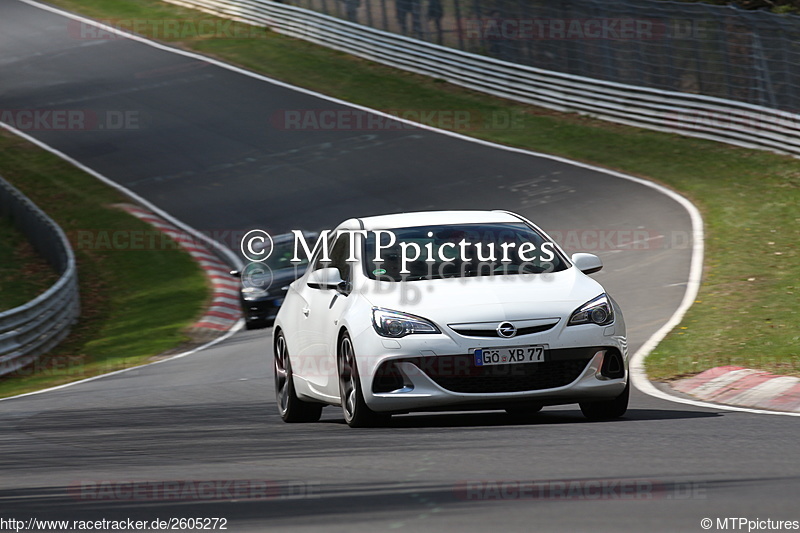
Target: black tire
x,y
524,411
610,409
355,410
290,407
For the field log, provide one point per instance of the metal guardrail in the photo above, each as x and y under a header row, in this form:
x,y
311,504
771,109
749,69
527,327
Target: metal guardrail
x,y
745,55
708,117
30,330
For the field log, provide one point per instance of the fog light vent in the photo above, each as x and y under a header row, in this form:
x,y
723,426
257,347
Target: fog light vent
x,y
613,367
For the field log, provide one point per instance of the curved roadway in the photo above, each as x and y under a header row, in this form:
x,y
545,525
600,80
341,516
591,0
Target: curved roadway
x,y
206,148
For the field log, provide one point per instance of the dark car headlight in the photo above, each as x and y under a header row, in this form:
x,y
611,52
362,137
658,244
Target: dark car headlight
x,y
395,324
597,311
254,293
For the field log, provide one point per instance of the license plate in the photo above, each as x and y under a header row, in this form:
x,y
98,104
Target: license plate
x,y
510,355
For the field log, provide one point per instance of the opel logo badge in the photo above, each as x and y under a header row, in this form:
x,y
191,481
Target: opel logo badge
x,y
506,330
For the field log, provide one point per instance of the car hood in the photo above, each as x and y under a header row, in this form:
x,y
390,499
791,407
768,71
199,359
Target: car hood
x,y
482,299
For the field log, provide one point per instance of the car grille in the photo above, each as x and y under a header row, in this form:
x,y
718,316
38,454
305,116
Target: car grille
x,y
493,332
458,373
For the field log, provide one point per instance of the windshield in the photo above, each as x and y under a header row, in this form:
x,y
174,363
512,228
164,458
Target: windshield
x,y
434,252
281,256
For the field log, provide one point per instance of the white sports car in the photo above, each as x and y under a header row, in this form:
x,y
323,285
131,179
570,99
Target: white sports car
x,y
447,310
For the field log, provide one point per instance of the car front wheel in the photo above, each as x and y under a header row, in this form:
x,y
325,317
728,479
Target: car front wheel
x,y
524,411
355,410
608,409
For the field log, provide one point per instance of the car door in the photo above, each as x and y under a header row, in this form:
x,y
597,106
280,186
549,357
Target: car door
x,y
320,318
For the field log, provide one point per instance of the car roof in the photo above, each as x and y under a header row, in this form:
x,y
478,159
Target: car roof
x,y
436,218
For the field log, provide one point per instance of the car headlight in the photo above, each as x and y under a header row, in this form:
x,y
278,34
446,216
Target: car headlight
x,y
254,293
394,324
598,311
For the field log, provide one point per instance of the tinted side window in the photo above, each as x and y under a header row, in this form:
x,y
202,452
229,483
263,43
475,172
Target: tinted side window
x,y
338,255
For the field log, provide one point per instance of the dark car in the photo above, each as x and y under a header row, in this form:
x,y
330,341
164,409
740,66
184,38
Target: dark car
x,y
264,284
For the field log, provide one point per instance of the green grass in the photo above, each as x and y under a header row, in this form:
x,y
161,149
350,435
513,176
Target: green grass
x,y
135,303
24,275
747,310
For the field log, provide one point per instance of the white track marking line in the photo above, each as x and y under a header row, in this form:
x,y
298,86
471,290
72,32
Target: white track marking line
x,y
218,320
227,335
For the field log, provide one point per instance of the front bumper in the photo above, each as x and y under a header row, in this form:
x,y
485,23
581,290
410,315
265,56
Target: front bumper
x,y
422,383
263,310
427,372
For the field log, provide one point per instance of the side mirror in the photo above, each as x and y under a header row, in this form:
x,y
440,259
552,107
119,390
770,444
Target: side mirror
x,y
587,263
325,278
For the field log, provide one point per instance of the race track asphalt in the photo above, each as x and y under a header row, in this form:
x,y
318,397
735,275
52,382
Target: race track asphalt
x,y
206,145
